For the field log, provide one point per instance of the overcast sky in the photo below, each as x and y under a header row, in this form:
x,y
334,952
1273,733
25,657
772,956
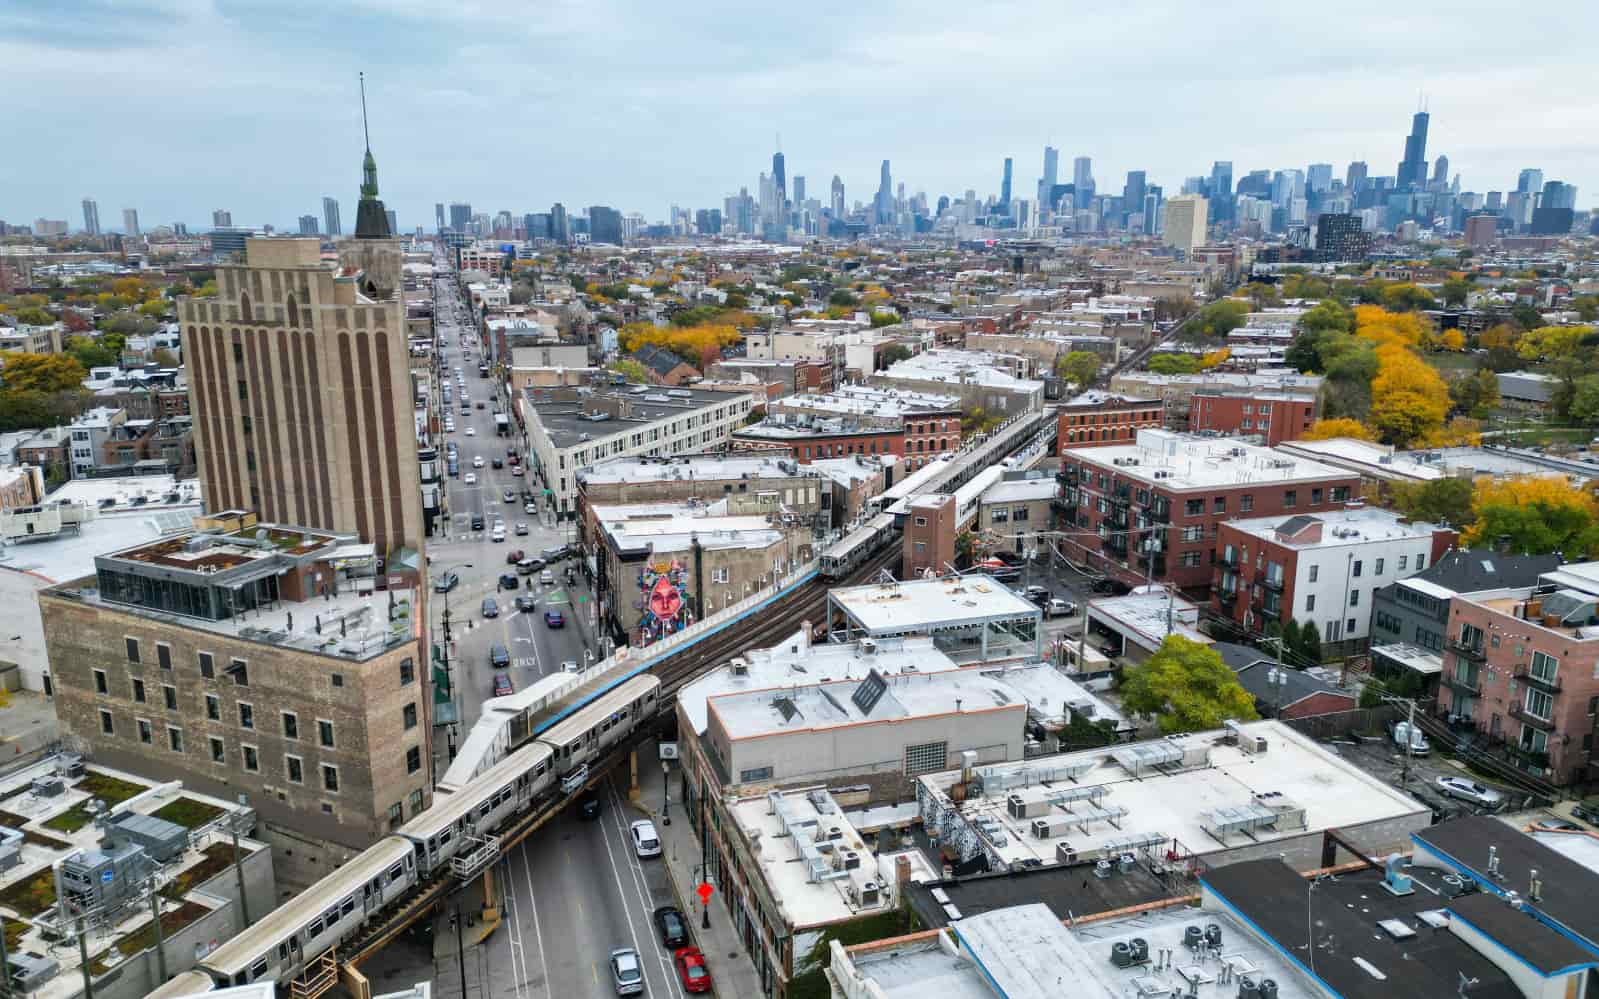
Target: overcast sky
x,y
176,107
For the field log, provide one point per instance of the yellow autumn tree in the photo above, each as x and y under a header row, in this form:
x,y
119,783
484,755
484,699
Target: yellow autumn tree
x,y
1462,431
1409,399
1214,357
1453,340
1538,515
1380,326
1323,430
692,343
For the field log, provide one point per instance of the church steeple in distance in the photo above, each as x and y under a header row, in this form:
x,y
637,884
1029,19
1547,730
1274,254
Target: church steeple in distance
x,y
371,221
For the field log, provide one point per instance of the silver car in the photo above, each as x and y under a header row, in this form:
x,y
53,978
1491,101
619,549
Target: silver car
x,y
1470,790
626,972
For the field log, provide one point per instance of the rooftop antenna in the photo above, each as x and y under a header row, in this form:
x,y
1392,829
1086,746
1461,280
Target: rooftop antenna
x,y
365,134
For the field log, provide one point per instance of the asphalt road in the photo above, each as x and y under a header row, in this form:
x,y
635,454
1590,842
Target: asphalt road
x,y
569,895
536,650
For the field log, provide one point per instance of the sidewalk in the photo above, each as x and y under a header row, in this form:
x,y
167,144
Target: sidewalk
x,y
733,973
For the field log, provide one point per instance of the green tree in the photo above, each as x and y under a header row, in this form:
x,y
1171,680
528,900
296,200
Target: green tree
x,y
33,316
41,372
1585,401
1262,295
1220,318
895,353
1407,298
90,353
842,298
1455,292
1290,637
1475,394
884,317
1309,645
1526,316
1537,515
1174,364
1079,367
1187,687
1435,501
164,357
155,308
1587,307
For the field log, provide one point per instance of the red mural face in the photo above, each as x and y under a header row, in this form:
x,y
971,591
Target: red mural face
x,y
665,601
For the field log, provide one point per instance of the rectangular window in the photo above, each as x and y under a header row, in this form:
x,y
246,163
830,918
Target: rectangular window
x,y
330,777
1540,704
146,734
1313,572
413,759
106,724
291,725
246,715
324,733
1195,532
213,707
208,667
218,754
1544,666
759,773
1218,505
1290,498
719,575
1403,562
133,649
294,769
241,672
1354,598
929,757
1355,572
396,816
1189,559
1376,569
407,672
163,655
252,759
1421,562
1194,508
138,691
175,738
1315,497
337,679
409,713
415,801
100,686
1310,602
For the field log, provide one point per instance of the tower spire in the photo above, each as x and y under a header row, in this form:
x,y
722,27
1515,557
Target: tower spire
x,y
370,220
365,133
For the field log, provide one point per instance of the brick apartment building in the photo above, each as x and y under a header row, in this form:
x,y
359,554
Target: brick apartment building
x,y
1096,418
1274,417
1322,567
1157,505
1521,667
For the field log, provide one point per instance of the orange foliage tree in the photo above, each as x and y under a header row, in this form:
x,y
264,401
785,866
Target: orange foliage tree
x,y
1377,324
1537,514
1409,399
1323,430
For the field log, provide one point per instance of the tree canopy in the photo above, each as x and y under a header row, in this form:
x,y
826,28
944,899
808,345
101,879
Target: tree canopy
x,y
1323,430
1079,367
41,372
1435,501
1174,364
1220,318
1186,687
1537,514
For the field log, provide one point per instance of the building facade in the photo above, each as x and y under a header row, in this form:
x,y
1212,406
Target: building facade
x,y
1096,418
1273,417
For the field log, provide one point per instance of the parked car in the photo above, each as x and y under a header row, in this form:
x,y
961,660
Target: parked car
x,y
514,556
547,578
499,656
508,581
491,607
672,927
1587,810
1556,825
1057,607
529,566
691,970
526,602
502,685
646,841
554,619
627,975
530,507
521,529
446,582
1463,789
588,806
497,463
1403,734
554,555
1039,595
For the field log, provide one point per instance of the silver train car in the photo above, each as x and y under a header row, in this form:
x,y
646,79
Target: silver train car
x,y
278,946
851,551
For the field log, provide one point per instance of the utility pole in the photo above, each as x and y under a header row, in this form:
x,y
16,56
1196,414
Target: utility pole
x,y
83,960
238,864
460,949
160,938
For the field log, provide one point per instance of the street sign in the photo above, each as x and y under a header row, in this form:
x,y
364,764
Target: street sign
x,y
704,891
106,877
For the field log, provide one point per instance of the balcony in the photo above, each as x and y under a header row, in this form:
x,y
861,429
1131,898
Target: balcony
x,y
1117,519
1524,674
1520,712
1229,559
1275,585
1160,512
1460,684
1472,652
1227,598
1116,545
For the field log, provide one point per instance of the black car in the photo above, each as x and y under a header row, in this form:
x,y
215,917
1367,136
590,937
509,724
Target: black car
x,y
446,583
526,603
477,522
671,925
497,462
508,581
588,806
499,656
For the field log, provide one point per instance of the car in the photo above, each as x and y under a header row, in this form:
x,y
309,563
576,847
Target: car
x,y
471,431
672,927
499,656
516,471
514,556
502,686
646,841
470,479
530,507
1463,789
571,666
497,463
521,529
1037,594
547,578
477,461
498,534
480,404
509,581
1057,607
491,607
588,806
627,974
508,495
526,602
477,522
1587,810
529,566
691,970
554,619
1005,574
554,555
449,426
1556,825
446,582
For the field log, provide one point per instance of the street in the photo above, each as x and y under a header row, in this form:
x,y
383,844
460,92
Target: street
x,y
535,649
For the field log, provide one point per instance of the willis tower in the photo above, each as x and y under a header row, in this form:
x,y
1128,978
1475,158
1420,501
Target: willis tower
x,y
1413,169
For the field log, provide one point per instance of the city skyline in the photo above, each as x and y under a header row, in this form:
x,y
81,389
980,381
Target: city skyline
x,y
286,118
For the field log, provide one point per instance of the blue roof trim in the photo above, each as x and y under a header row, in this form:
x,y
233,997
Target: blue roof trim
x,y
1558,973
955,928
1268,939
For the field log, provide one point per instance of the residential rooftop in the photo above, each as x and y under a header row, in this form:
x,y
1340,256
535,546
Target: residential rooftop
x,y
700,466
960,367
1382,461
568,415
672,527
1339,528
868,400
1147,615
1022,490
957,610
1176,461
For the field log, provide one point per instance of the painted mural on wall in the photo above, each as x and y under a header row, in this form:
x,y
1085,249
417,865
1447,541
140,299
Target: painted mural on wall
x,y
663,600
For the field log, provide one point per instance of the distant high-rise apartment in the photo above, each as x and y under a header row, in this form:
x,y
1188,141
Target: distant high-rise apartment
x,y
91,216
1082,181
1555,211
1318,177
1355,176
1340,238
885,195
330,217
1154,209
1051,177
799,191
708,221
460,216
837,197
560,225
222,219
1440,172
308,225
1133,191
1482,230
438,215
1221,179
130,221
779,177
1530,181
1413,168
1004,187
1186,219
605,225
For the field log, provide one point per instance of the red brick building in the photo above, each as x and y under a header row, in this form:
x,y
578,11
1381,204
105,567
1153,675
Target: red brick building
x,y
1273,416
1521,668
1153,509
1097,418
806,443
930,530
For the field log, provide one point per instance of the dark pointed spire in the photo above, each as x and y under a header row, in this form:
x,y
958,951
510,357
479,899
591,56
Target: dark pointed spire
x,y
371,221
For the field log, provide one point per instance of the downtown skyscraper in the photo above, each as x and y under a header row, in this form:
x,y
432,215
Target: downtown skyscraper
x,y
1051,177
91,216
885,196
1413,168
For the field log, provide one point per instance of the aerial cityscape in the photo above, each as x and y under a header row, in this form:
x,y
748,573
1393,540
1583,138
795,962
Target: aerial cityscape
x,y
797,562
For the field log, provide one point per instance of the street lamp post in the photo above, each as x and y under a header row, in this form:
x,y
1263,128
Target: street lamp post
x,y
449,673
666,786
1276,679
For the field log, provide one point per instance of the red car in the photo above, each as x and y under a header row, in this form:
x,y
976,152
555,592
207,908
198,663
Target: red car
x,y
692,970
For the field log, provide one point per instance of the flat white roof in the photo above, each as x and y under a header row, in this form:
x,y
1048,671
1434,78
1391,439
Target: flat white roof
x,y
1142,615
1340,528
732,466
919,604
752,714
670,527
1411,657
1021,490
1177,801
123,491
958,365
1188,462
1053,697
870,400
70,555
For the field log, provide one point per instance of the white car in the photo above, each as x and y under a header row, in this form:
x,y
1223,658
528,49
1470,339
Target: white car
x,y
571,666
498,534
469,479
477,461
530,507
646,843
1470,790
471,431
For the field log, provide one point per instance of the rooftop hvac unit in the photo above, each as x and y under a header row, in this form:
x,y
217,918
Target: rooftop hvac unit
x,y
1020,807
1052,826
870,894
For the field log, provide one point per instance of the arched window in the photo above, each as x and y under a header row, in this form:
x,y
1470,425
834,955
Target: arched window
x,y
294,311
245,312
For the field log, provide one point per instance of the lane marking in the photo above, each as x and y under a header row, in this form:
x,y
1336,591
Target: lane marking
x,y
641,885
538,933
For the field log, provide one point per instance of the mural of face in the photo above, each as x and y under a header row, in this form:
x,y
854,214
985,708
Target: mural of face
x,y
663,599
